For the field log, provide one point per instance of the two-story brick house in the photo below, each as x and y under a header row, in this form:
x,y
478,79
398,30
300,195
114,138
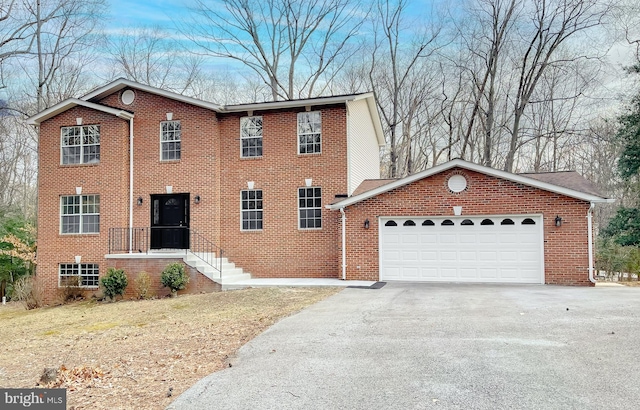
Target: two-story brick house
x,y
250,180
136,177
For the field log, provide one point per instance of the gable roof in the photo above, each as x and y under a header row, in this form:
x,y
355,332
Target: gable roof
x,y
122,83
567,179
74,102
372,189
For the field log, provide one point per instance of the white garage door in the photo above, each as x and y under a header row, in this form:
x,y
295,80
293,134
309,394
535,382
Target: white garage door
x,y
497,249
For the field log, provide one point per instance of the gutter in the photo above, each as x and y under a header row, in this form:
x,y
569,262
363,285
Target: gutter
x,y
590,240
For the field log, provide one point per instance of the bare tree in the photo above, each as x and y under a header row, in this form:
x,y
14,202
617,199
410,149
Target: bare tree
x,y
151,56
555,22
16,32
294,46
397,78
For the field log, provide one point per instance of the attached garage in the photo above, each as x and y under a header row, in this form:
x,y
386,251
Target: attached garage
x,y
498,249
463,222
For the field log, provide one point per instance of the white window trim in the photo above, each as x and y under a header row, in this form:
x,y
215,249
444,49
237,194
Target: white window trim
x,y
82,145
81,214
300,114
242,138
299,209
78,267
242,211
162,142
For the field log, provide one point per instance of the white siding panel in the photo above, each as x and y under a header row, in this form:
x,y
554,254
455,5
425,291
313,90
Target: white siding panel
x,y
363,152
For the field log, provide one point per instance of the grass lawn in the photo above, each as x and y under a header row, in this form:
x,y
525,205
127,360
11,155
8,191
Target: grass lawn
x,y
129,354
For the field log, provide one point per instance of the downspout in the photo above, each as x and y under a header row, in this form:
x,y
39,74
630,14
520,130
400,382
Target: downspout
x,y
590,241
344,244
130,185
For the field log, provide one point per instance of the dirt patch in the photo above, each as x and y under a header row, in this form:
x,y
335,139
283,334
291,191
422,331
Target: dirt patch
x,y
629,283
137,354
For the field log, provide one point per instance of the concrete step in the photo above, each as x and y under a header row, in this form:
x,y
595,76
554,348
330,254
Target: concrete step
x,y
230,272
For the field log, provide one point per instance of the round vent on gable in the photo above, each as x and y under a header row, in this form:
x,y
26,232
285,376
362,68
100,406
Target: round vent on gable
x,y
127,97
457,183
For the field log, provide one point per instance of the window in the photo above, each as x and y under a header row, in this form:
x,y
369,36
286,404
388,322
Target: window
x,y
447,222
391,223
486,222
409,223
309,132
80,145
251,213
80,214
251,137
310,208
170,136
507,221
78,274
528,221
428,222
467,222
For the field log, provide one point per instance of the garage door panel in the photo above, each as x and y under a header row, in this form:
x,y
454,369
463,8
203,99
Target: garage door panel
x,y
447,238
448,256
429,256
429,273
487,256
462,253
428,238
411,273
410,256
468,238
488,273
468,273
391,256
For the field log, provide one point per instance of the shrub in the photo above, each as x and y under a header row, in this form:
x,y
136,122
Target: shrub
x,y
174,277
114,282
143,286
29,291
69,290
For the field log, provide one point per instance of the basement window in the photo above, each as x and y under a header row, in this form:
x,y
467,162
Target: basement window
x,y
84,275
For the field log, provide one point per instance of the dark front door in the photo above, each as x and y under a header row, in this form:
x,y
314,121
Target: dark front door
x,y
170,221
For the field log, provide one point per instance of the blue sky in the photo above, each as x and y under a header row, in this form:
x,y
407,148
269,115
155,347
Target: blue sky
x,y
144,12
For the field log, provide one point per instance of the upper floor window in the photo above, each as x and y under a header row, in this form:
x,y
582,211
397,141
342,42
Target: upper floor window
x,y
250,137
251,203
170,135
80,214
80,144
309,132
310,208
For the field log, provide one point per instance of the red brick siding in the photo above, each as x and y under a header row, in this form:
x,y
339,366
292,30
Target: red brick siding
x,y
198,283
211,167
565,247
109,179
281,249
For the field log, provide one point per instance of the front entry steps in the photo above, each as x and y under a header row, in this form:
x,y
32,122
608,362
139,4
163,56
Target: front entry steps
x,y
230,273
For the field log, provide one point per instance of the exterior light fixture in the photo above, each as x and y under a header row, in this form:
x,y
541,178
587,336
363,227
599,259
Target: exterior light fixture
x,y
366,224
558,221
140,200
196,199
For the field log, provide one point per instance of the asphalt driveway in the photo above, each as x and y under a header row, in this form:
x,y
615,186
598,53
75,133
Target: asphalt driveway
x,y
422,346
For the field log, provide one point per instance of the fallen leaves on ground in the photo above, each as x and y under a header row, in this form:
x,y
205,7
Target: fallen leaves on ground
x,y
138,354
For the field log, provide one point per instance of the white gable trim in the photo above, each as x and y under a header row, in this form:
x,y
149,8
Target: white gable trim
x,y
121,83
73,102
471,167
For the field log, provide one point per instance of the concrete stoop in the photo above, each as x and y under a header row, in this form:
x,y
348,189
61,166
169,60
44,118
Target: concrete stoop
x,y
230,272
